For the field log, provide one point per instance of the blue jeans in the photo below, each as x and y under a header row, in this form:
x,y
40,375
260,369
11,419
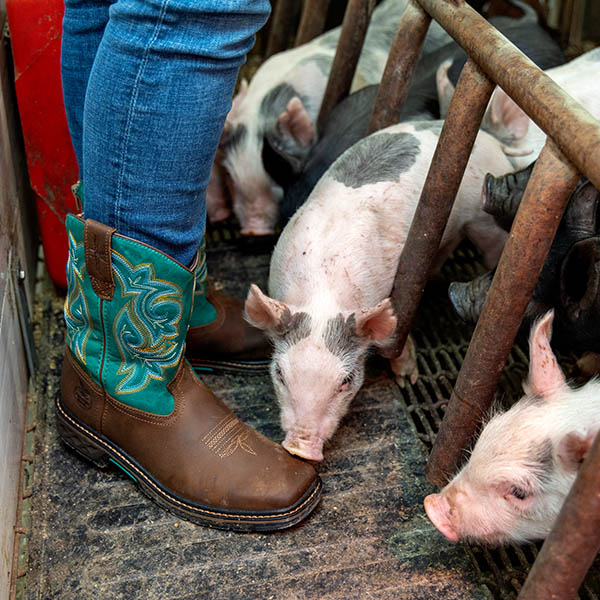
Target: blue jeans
x,y
147,86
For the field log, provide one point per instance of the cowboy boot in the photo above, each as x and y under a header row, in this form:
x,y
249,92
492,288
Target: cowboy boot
x,y
129,397
219,338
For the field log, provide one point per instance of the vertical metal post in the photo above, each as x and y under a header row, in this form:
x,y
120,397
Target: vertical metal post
x,y
552,181
400,67
574,541
312,22
282,24
437,198
352,37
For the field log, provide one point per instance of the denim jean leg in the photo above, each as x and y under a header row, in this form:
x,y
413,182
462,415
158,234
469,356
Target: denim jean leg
x,y
157,98
83,27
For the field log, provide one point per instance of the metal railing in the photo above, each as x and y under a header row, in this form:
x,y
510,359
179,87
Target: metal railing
x,y
572,149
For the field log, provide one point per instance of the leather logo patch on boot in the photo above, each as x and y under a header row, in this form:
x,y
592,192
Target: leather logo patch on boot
x,y
83,397
227,436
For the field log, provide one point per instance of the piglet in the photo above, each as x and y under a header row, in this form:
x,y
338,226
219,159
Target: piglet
x,y
525,459
279,109
333,268
505,120
569,281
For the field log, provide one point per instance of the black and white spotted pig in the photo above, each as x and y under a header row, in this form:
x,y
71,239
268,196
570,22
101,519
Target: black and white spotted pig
x,y
281,105
347,123
333,267
525,460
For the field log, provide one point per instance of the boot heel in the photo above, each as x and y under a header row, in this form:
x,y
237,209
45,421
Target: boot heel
x,y
79,442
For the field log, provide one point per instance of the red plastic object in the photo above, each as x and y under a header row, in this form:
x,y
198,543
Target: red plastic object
x,y
35,31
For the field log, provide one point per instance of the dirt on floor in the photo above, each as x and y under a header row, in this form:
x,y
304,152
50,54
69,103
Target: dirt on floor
x,y
95,536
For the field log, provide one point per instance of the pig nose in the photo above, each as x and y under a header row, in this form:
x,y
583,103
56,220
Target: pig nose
x,y
305,447
256,227
438,511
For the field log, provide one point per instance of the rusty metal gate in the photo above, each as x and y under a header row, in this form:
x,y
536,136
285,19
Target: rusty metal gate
x,y
571,150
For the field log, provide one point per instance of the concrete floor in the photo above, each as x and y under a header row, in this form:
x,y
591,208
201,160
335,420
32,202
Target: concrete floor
x,y
94,536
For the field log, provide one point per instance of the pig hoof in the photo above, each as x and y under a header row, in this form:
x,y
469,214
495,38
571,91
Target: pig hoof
x,y
405,366
219,214
412,377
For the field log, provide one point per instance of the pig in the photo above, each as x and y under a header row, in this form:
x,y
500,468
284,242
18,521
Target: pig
x,y
281,105
522,138
525,460
570,278
333,268
348,121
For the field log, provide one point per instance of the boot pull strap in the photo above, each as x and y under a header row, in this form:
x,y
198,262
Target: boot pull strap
x,y
98,259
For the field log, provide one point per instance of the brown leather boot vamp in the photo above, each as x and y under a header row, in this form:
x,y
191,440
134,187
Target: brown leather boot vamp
x,y
229,343
200,461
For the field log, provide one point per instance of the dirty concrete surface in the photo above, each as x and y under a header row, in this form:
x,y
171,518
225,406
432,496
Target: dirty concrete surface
x,y
94,535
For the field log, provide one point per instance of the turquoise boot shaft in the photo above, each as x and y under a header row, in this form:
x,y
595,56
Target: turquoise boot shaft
x,y
131,343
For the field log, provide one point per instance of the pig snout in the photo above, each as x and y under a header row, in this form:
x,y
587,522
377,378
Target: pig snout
x,y
437,508
257,227
468,298
304,444
257,210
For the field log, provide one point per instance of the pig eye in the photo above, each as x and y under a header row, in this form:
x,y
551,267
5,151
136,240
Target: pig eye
x,y
279,375
518,492
346,381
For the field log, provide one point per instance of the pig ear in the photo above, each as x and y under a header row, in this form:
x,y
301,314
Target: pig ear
x,y
573,448
296,123
445,89
504,118
262,311
545,376
378,322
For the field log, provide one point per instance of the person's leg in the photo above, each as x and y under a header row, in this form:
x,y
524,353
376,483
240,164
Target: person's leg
x,y
170,201
156,101
83,28
157,96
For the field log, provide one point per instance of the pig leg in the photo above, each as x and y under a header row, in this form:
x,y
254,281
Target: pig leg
x,y
445,89
405,366
488,236
218,206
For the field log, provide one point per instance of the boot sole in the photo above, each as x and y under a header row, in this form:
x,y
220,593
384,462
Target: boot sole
x,y
102,452
230,366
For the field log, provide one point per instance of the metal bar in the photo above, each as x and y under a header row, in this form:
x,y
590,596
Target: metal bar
x,y
352,37
437,198
281,26
312,22
574,541
552,181
400,67
558,115
577,21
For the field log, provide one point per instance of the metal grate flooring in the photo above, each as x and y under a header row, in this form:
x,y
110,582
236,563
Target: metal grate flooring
x,y
93,535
